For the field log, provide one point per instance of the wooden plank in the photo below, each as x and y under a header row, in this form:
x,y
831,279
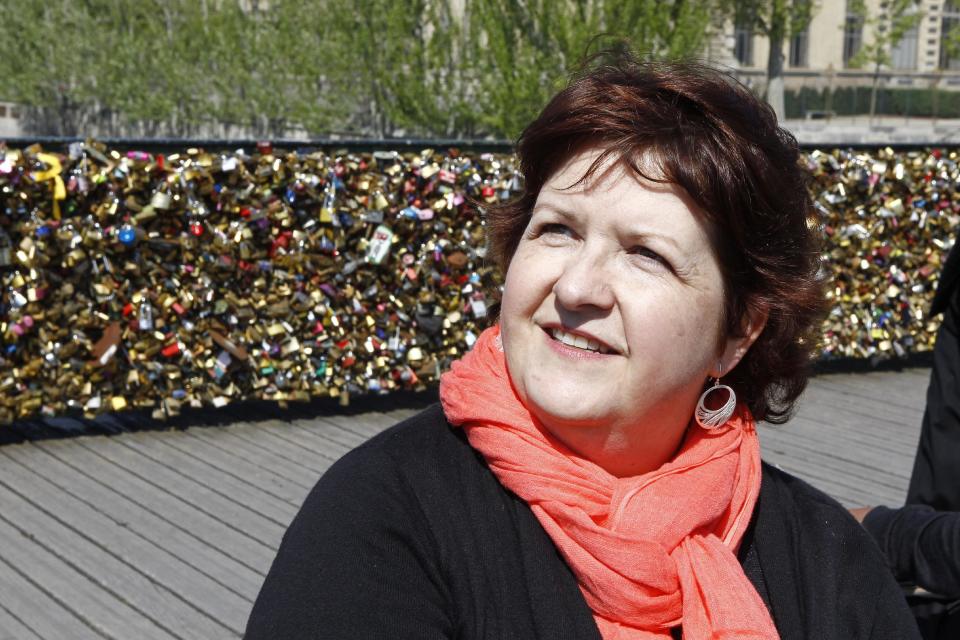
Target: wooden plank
x,y
375,421
844,495
261,516
233,541
873,402
257,455
307,440
98,608
364,425
43,615
855,476
268,484
837,426
324,447
327,433
878,454
12,628
265,438
839,401
895,407
863,420
121,539
332,426
97,560
852,477
877,418
813,440
895,388
843,464
848,491
399,415
885,435
872,420
899,396
899,387
69,484
840,429
842,489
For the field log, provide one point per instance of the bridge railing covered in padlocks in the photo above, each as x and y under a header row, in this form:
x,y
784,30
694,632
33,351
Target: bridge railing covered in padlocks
x,y
175,277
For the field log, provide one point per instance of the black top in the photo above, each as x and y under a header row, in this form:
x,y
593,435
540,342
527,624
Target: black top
x,y
411,536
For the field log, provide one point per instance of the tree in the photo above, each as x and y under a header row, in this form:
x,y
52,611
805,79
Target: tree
x,y
777,20
887,27
165,67
450,68
523,50
402,64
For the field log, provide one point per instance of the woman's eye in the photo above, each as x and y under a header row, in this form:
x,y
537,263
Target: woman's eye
x,y
556,229
649,254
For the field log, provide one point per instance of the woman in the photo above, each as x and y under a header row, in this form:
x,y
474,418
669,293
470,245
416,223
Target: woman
x,y
593,469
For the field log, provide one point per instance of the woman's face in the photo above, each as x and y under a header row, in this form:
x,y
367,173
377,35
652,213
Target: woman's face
x,y
612,315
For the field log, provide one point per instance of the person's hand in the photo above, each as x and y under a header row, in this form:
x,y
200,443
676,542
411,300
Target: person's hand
x,y
860,513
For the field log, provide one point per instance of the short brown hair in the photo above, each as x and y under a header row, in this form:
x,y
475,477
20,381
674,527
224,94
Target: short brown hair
x,y
706,133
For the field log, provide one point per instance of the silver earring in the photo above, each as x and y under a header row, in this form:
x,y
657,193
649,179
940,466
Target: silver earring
x,y
713,418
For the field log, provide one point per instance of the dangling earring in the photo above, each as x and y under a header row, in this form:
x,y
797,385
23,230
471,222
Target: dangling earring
x,y
713,418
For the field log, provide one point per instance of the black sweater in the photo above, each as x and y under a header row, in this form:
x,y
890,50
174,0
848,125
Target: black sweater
x,y
411,536
922,546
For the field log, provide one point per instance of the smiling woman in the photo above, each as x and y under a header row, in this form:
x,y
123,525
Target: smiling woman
x,y
593,470
626,263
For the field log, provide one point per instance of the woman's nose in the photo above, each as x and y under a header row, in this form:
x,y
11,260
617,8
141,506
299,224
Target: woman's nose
x,y
584,282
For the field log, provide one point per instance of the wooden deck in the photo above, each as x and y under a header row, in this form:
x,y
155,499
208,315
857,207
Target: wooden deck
x,y
169,534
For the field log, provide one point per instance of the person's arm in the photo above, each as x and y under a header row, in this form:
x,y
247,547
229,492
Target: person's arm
x,y
357,562
922,546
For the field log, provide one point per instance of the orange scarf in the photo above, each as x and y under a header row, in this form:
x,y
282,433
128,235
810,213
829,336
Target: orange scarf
x,y
650,552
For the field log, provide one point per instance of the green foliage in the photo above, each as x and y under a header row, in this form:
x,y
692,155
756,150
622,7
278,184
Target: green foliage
x,y
356,67
852,101
526,49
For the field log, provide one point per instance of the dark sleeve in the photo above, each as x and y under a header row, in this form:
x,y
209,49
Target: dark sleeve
x,y
357,562
922,546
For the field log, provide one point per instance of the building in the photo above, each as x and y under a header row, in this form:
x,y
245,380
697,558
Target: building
x,y
820,58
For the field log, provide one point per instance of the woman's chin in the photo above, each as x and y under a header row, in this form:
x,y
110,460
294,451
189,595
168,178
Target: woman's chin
x,y
569,411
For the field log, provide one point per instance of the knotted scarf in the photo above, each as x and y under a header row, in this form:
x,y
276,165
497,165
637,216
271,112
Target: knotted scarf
x,y
650,552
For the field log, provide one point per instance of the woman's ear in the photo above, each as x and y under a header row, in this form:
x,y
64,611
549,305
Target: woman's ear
x,y
753,323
